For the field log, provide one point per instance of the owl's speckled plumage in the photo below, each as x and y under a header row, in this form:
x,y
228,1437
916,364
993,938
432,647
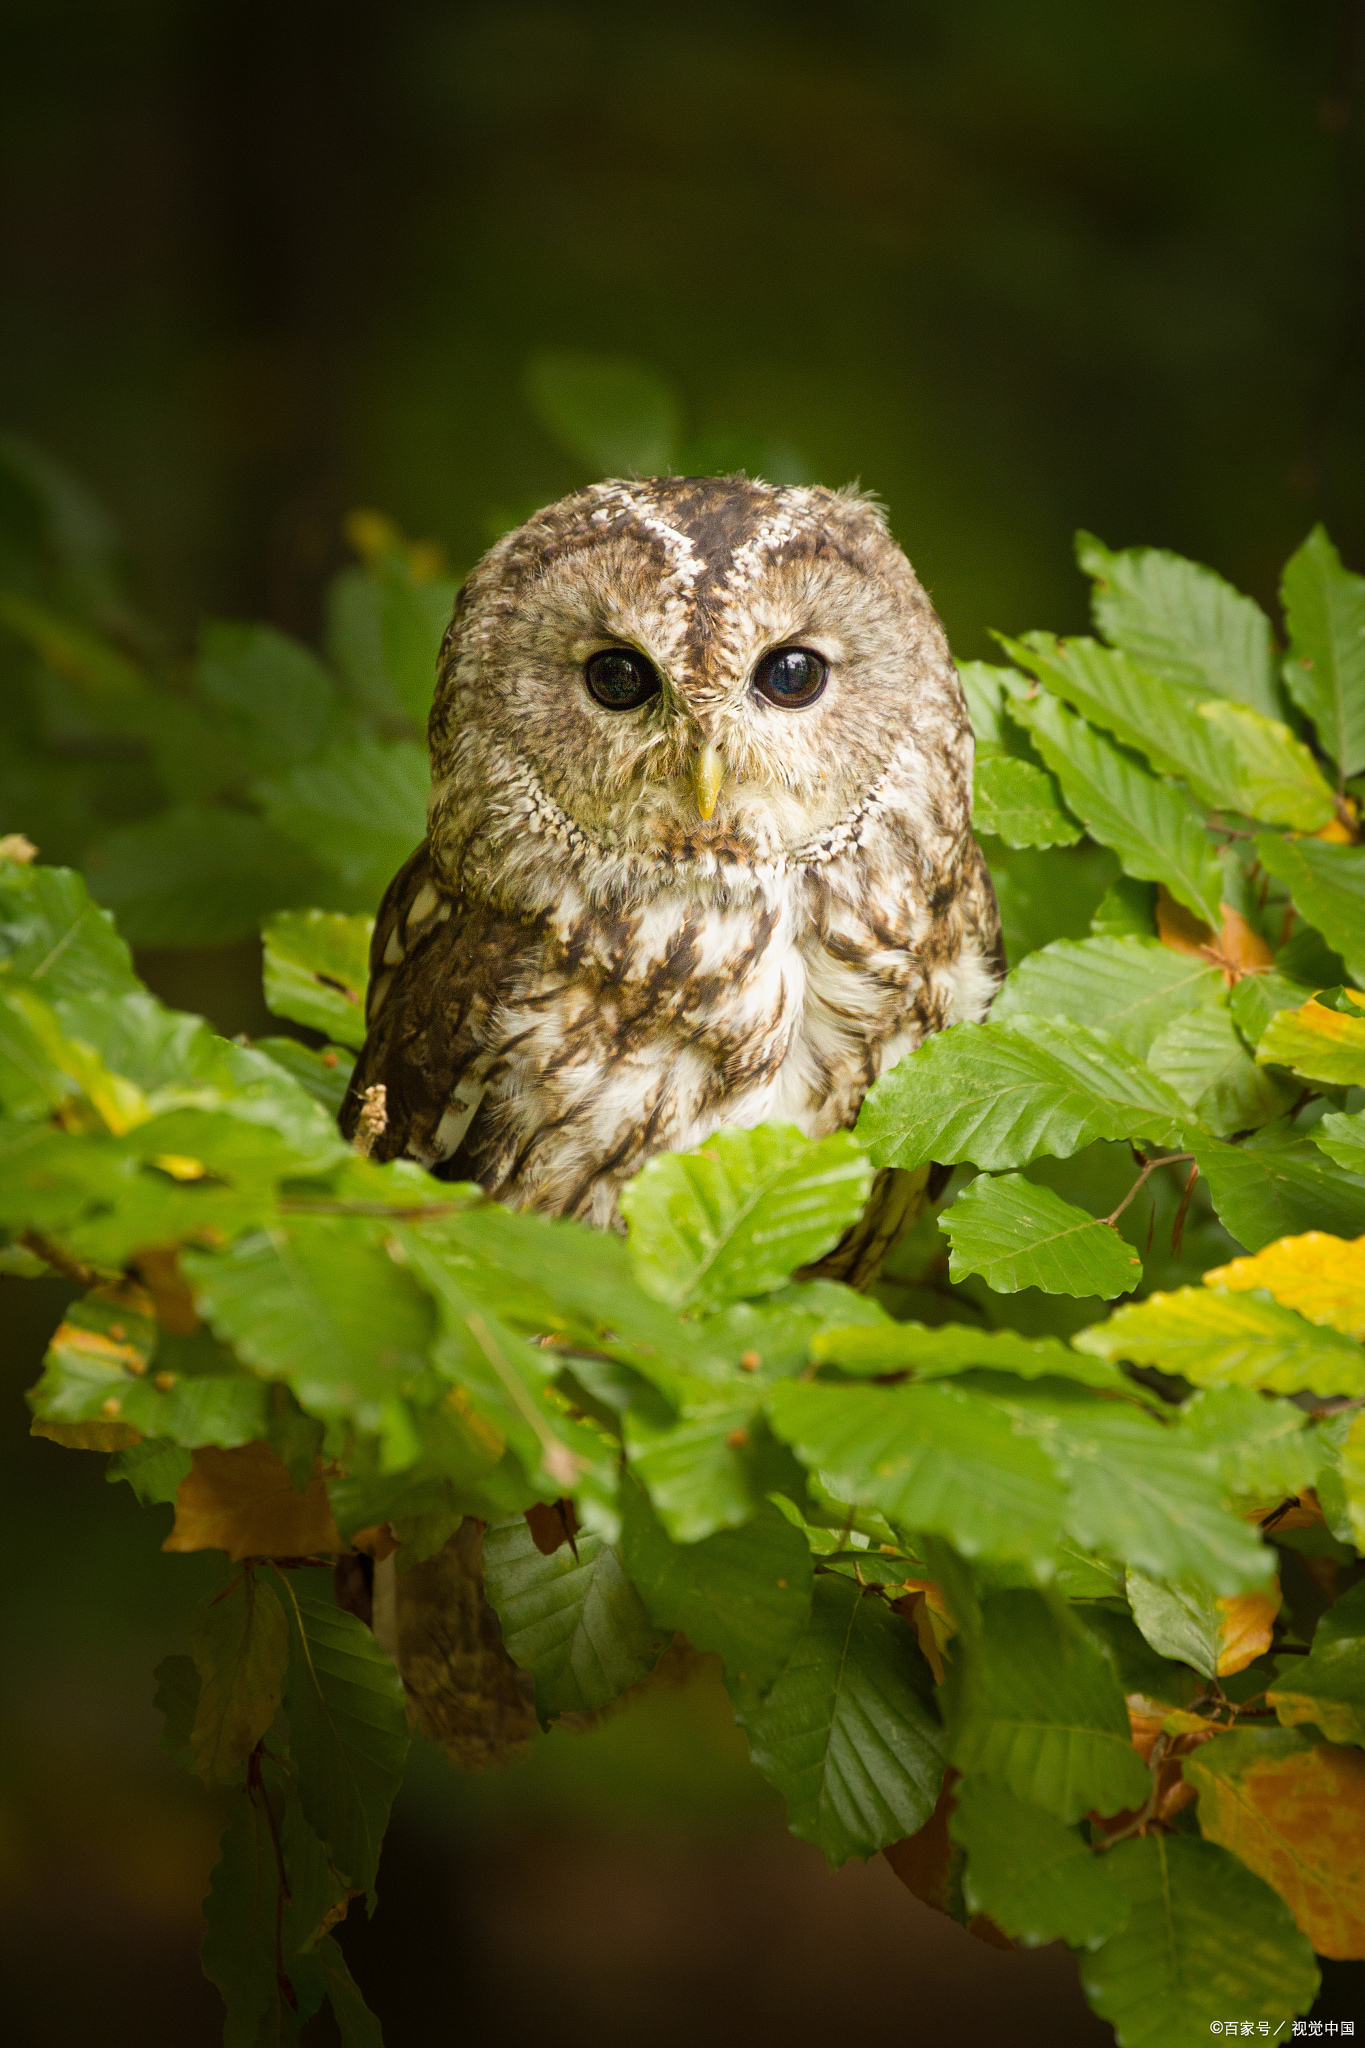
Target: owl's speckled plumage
x,y
575,971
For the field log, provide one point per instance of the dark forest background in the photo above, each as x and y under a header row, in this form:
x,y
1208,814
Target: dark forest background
x,y
1020,268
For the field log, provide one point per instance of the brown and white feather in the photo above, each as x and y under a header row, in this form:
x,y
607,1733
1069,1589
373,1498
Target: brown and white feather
x,y
575,971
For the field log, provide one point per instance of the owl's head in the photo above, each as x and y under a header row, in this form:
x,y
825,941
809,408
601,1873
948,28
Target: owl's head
x,y
708,675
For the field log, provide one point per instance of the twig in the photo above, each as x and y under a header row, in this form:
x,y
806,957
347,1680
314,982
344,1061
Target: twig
x,y
60,1261
1178,1227
1170,1159
1148,1810
254,1786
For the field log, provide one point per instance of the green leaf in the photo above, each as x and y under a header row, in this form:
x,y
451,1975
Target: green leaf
x,y
1323,1039
321,1305
356,2024
1324,670
1181,621
348,1733
499,1377
614,414
238,1954
1130,987
1210,1069
1179,1617
199,1174
413,615
325,1074
737,1215
240,1643
153,1468
1256,998
954,1348
1047,894
53,936
1264,1450
359,810
1342,1138
1034,1877
986,687
279,702
1037,1709
261,1092
1278,1183
1219,1338
848,1734
1127,910
197,876
98,1353
315,1889
744,1593
1151,825
1327,884
1268,774
199,1395
576,1623
1136,1664
72,651
1018,1235
1327,1688
933,1458
1206,1941
699,1471
1002,1095
177,1697
1137,1490
316,970
1233,758
1018,801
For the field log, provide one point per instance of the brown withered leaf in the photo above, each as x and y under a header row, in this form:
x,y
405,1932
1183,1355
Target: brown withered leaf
x,y
378,1541
551,1524
1245,1628
243,1501
929,1863
1234,947
169,1291
924,1607
463,1689
1294,1812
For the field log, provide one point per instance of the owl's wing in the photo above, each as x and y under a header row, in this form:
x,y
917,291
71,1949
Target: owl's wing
x,y
438,967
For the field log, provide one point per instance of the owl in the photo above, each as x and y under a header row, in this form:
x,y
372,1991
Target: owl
x,y
699,848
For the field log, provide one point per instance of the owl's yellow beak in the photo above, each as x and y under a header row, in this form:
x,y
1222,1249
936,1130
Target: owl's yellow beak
x,y
708,773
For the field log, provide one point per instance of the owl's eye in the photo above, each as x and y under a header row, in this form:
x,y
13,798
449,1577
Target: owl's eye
x,y
619,678
791,676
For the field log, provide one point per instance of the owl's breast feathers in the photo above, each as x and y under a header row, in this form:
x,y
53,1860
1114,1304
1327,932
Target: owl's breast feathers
x,y
548,1055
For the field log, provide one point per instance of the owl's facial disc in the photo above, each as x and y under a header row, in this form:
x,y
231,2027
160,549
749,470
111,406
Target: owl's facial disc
x,y
686,671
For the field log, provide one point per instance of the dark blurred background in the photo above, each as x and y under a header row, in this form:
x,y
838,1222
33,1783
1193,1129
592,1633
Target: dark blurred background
x,y
1021,268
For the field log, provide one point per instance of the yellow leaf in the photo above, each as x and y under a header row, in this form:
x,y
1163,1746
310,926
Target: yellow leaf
x,y
244,1502
1296,1816
1322,1277
1244,1632
87,1436
1321,1043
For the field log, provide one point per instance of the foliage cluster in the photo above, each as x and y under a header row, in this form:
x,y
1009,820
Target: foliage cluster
x,y
1065,1612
